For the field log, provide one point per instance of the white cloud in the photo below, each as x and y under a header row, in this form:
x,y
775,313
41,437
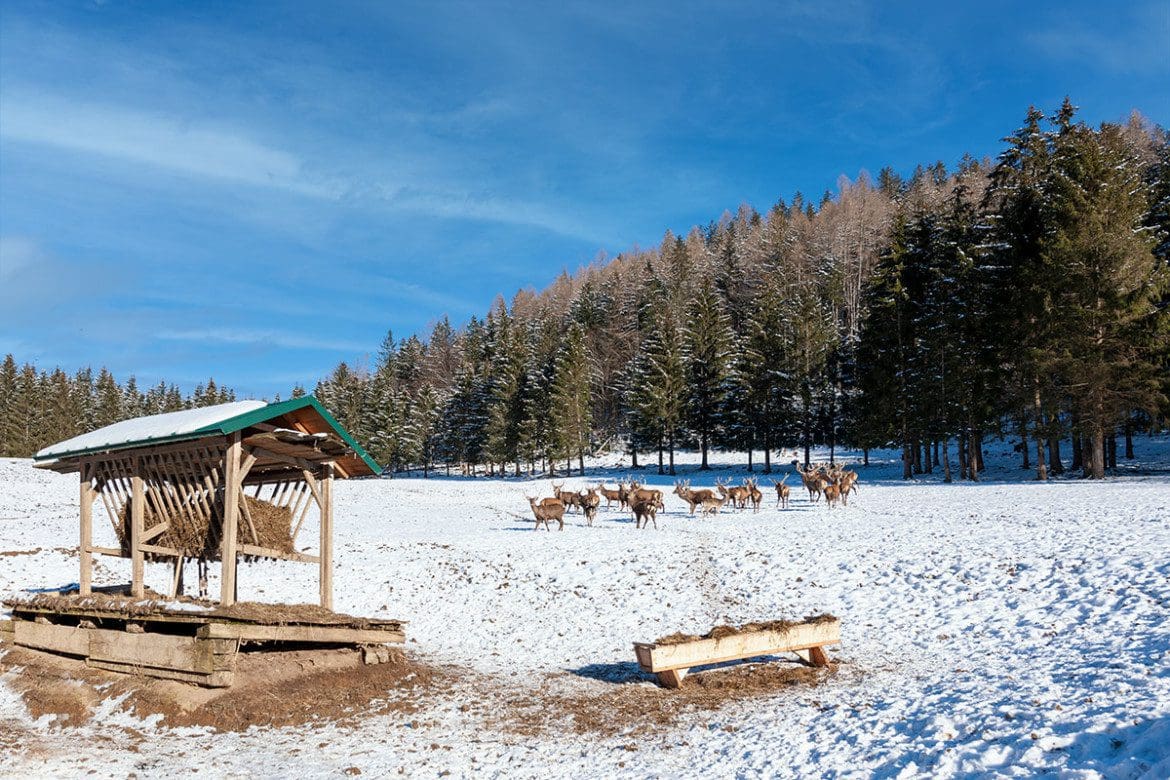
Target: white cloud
x,y
18,253
268,338
154,140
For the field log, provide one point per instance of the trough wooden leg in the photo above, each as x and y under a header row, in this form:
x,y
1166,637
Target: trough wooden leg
x,y
814,656
672,678
818,656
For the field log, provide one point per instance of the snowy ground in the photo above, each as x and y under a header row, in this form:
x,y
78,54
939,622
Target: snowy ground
x,y
1005,628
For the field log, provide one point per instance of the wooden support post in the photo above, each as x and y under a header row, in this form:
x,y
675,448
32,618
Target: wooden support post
x,y
86,541
231,521
672,678
326,546
177,579
137,518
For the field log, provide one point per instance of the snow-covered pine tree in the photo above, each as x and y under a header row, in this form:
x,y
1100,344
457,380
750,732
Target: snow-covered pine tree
x,y
708,354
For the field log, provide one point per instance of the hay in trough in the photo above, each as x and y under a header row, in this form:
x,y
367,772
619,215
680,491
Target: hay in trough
x,y
718,632
190,533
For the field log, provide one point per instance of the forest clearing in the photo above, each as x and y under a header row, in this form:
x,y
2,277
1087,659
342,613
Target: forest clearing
x,y
1006,626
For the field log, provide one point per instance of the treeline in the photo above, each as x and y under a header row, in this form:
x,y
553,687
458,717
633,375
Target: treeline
x,y
39,408
1024,296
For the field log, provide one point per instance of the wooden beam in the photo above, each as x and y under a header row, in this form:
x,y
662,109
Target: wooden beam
x,y
231,513
137,514
700,652
156,549
85,587
157,531
322,634
289,459
213,680
69,640
106,551
247,465
326,547
267,552
177,578
247,513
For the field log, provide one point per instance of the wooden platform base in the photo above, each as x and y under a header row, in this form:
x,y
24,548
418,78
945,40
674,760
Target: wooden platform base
x,y
671,661
190,646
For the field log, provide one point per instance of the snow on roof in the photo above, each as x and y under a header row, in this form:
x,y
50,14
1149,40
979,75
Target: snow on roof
x,y
144,429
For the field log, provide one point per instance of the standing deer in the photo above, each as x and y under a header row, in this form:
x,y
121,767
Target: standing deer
x,y
590,501
570,498
645,510
692,497
738,495
782,492
814,481
612,495
713,504
754,493
638,492
547,509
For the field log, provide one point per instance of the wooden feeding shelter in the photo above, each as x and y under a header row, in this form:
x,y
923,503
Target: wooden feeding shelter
x,y
214,483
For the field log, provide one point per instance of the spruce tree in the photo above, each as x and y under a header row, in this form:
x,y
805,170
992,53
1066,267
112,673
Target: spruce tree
x,y
707,351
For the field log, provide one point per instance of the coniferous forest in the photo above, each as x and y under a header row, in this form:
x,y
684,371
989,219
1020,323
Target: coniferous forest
x,y
1026,297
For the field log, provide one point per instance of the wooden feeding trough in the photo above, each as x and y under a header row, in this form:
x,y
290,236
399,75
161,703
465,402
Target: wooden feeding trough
x,y
208,484
192,645
672,657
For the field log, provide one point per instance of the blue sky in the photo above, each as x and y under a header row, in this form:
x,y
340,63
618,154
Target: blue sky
x,y
256,191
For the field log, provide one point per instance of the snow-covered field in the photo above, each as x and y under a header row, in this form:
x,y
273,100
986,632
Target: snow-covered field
x,y
1003,628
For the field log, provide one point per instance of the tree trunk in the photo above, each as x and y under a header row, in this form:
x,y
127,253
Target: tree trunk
x,y
936,452
1077,454
1097,457
1038,410
907,461
767,452
634,457
671,453
1023,429
917,455
928,464
961,446
865,456
661,470
1055,466
703,445
978,434
749,454
1128,437
581,461
946,459
1111,451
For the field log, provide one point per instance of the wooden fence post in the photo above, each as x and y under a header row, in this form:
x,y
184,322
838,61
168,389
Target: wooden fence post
x,y
231,521
86,541
137,518
326,546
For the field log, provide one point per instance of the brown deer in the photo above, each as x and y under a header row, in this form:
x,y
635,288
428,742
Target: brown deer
x,y
570,498
682,489
713,504
638,492
645,510
832,493
814,481
547,509
738,495
782,492
612,495
590,501
754,493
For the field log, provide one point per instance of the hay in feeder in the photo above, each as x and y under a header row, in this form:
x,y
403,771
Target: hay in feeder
x,y
190,533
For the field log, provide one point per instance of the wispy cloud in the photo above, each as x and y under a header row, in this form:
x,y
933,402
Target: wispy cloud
x,y
1140,43
155,140
263,338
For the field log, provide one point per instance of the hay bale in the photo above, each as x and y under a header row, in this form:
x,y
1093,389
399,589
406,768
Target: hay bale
x,y
190,533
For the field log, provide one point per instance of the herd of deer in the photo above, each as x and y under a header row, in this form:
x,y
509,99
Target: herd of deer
x,y
833,482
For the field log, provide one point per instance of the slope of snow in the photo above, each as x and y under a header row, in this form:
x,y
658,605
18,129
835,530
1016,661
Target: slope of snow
x,y
1004,628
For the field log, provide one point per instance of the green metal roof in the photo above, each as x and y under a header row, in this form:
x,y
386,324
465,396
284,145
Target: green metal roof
x,y
93,442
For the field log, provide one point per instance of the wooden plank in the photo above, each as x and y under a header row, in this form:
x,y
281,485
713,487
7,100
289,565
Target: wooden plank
x,y
160,550
106,551
247,513
733,647
160,651
137,513
85,586
158,530
231,512
265,552
69,640
323,634
215,679
326,547
672,678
